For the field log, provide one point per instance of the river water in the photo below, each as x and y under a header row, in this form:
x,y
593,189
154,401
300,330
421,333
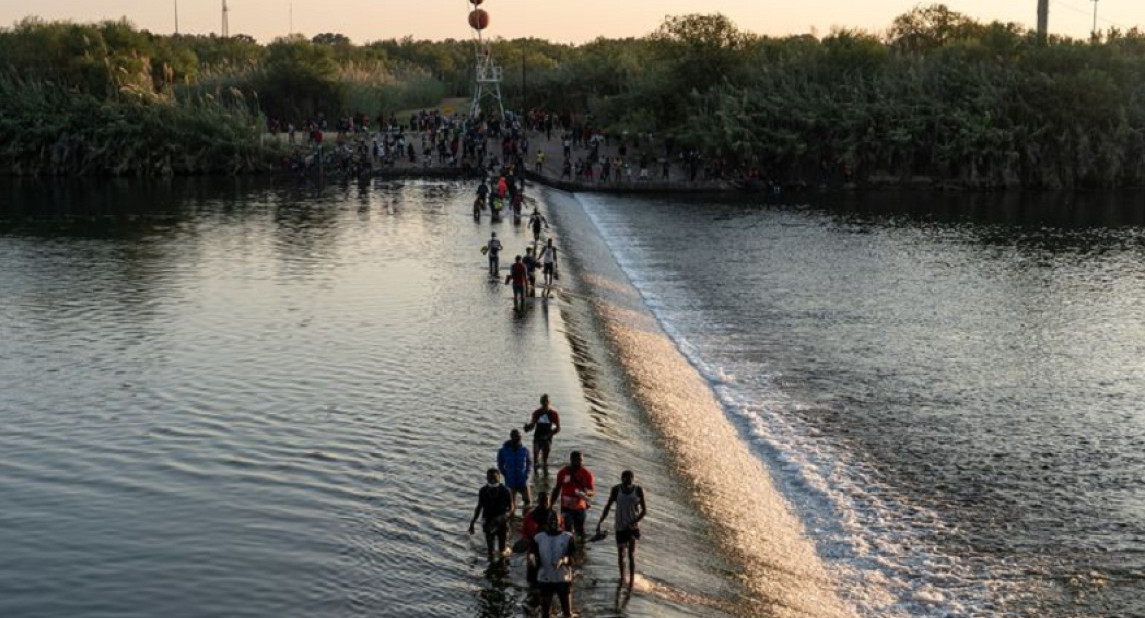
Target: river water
x,y
255,398
948,389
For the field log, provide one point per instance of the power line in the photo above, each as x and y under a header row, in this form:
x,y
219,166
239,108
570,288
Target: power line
x,y
1087,13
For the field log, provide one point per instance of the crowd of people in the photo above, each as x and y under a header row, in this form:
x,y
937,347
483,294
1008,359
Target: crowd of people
x,y
550,530
553,528
432,138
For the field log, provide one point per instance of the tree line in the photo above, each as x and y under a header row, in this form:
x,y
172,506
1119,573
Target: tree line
x,y
938,98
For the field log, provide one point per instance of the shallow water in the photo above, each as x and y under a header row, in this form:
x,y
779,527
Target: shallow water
x,y
949,395
257,399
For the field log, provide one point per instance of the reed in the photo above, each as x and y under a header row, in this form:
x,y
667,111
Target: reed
x,y
47,129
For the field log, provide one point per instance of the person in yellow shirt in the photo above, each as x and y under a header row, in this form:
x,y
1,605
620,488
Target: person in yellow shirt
x,y
540,161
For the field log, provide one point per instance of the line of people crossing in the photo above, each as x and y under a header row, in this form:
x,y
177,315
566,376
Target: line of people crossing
x,y
551,529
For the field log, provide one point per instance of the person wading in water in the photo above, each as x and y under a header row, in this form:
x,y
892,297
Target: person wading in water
x,y
515,464
630,509
549,267
536,220
574,488
494,504
519,277
553,550
547,423
493,248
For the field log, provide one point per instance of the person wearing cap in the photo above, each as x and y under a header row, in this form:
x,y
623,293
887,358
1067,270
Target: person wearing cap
x,y
493,505
494,248
574,488
552,554
547,423
630,509
515,464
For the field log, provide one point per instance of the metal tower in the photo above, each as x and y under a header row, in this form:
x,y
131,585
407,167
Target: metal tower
x,y
487,74
1043,19
226,21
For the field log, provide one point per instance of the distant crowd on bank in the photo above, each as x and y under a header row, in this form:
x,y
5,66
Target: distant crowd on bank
x,y
434,139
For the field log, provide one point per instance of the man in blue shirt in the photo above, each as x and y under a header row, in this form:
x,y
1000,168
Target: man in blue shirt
x,y
515,464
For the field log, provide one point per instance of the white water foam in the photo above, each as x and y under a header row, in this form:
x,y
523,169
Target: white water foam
x,y
872,537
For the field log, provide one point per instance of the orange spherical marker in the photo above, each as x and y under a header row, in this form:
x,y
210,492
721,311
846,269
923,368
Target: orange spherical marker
x,y
478,19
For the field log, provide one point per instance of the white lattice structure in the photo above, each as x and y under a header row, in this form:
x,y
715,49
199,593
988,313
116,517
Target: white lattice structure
x,y
487,74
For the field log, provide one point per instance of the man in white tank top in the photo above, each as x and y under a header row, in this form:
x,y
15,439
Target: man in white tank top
x,y
630,509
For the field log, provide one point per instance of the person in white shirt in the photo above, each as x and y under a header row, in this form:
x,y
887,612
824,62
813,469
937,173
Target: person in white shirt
x,y
552,553
549,266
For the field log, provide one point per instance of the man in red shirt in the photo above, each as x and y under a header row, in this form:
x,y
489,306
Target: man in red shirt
x,y
574,487
518,276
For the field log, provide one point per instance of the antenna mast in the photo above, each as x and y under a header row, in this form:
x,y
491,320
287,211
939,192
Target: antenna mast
x,y
226,21
1043,19
487,79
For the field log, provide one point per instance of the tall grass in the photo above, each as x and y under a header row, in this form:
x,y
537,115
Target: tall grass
x,y
47,129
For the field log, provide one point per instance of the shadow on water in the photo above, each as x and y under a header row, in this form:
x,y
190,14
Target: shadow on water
x,y
1041,222
1023,209
498,597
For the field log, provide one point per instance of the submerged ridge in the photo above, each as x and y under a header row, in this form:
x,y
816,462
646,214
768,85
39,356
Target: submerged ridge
x,y
755,527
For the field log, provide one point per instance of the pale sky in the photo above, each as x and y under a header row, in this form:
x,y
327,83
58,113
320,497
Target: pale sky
x,y
575,21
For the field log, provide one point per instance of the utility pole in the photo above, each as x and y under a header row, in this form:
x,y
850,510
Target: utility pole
x,y
1043,19
1094,31
291,17
226,21
176,16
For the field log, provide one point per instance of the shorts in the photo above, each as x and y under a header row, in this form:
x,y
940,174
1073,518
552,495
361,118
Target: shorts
x,y
523,487
574,520
543,444
497,525
548,270
518,289
551,588
624,537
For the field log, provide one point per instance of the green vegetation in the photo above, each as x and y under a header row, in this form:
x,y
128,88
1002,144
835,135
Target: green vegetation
x,y
939,96
110,99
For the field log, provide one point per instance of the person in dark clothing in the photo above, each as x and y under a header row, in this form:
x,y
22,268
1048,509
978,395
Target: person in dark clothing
x,y
494,504
531,263
536,220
